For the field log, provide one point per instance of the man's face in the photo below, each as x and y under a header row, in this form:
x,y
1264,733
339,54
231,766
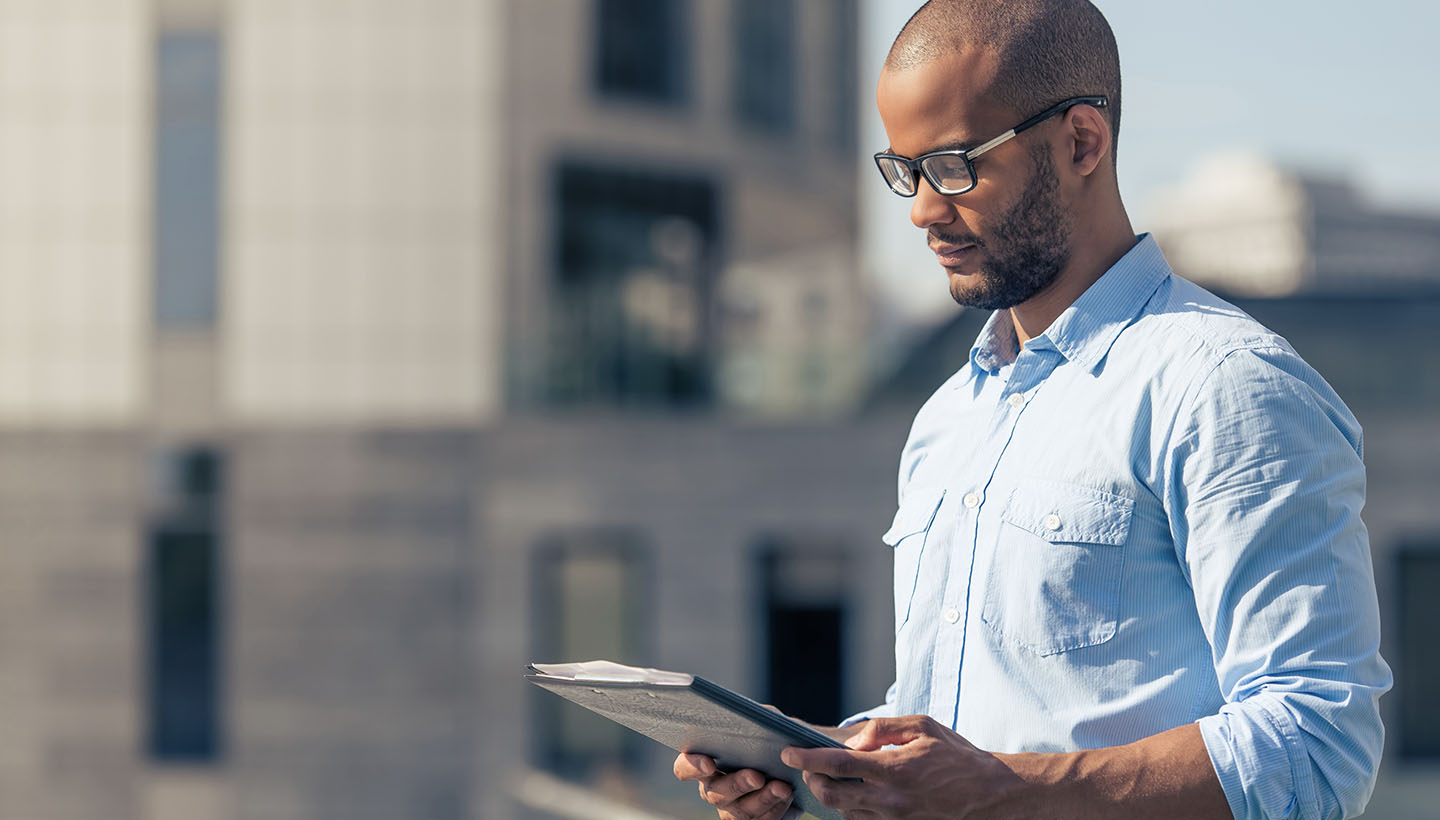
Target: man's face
x,y
1008,238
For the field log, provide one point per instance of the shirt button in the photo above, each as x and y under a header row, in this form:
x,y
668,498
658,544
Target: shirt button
x,y
1016,399
952,615
1052,522
971,500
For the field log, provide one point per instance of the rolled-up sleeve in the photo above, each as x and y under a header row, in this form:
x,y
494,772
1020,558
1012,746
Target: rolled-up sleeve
x,y
1265,488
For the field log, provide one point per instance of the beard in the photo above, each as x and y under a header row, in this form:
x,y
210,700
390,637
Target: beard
x,y
1027,250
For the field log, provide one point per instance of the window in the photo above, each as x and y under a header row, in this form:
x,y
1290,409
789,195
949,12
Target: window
x,y
590,603
641,49
183,579
844,82
630,302
765,63
803,584
187,178
1418,666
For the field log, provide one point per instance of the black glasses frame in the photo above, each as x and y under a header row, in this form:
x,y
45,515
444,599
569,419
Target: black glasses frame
x,y
917,166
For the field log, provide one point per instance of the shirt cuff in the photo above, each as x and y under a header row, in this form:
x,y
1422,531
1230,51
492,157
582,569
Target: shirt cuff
x,y
1261,760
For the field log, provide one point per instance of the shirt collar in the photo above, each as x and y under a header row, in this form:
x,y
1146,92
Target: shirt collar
x,y
1087,329
997,344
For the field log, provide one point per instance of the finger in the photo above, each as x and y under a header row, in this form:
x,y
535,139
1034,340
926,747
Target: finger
x,y
833,762
693,767
845,795
769,803
868,739
881,732
731,787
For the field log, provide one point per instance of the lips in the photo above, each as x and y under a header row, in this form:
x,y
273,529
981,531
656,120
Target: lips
x,y
951,255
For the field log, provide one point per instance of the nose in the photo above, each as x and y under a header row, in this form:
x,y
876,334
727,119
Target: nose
x,y
930,208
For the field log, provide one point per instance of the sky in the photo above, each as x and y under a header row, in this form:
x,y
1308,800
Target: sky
x,y
1347,89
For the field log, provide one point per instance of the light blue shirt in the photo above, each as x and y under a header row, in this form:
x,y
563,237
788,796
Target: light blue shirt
x,y
1148,517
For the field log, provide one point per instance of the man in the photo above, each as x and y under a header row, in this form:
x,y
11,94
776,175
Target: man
x,y
1129,562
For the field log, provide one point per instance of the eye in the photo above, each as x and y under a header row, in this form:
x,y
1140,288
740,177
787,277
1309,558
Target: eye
x,y
949,171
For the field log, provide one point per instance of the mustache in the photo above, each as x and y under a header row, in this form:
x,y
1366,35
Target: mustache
x,y
935,238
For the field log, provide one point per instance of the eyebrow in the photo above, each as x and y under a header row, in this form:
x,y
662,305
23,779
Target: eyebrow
x,y
954,145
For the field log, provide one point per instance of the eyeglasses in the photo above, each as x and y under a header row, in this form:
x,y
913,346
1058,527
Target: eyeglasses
x,y
953,172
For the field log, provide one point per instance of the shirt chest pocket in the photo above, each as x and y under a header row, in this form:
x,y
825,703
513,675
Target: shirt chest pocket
x,y
1054,581
908,536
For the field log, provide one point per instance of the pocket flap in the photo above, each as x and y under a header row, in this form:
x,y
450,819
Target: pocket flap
x,y
1070,513
915,514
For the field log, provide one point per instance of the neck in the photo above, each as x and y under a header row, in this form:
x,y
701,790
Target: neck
x,y
1088,262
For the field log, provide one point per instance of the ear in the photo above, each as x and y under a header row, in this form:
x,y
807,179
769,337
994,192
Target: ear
x,y
1090,138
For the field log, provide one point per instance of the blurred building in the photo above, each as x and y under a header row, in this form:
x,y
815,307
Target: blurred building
x,y
1249,226
250,330
305,305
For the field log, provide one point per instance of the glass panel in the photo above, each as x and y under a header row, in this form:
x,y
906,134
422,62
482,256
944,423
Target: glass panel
x,y
804,583
183,704
1417,669
641,49
187,178
632,292
590,605
765,63
592,627
183,581
845,43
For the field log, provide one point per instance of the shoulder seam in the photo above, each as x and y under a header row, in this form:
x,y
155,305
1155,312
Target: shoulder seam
x,y
1266,339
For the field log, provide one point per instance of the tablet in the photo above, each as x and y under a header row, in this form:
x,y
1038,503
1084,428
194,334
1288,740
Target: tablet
x,y
690,714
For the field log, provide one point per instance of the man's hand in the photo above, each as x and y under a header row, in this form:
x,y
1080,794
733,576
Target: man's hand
x,y
932,773
746,794
742,795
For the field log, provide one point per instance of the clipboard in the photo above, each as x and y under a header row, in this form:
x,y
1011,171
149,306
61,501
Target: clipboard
x,y
690,714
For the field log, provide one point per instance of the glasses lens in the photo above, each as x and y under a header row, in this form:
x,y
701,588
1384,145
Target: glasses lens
x,y
950,173
897,175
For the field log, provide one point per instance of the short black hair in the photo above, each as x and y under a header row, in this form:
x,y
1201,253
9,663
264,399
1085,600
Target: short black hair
x,y
1048,50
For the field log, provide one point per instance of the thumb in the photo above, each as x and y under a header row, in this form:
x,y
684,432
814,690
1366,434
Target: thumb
x,y
881,732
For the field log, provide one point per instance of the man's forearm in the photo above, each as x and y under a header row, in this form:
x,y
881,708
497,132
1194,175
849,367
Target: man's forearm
x,y
1167,775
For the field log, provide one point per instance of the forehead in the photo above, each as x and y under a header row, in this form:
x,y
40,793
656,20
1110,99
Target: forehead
x,y
943,102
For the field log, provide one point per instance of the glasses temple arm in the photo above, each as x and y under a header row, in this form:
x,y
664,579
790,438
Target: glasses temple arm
x,y
1094,102
1000,140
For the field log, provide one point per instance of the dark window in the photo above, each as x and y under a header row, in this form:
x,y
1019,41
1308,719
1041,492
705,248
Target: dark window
x,y
804,629
183,576
1418,666
630,319
590,604
187,178
845,41
765,63
641,49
